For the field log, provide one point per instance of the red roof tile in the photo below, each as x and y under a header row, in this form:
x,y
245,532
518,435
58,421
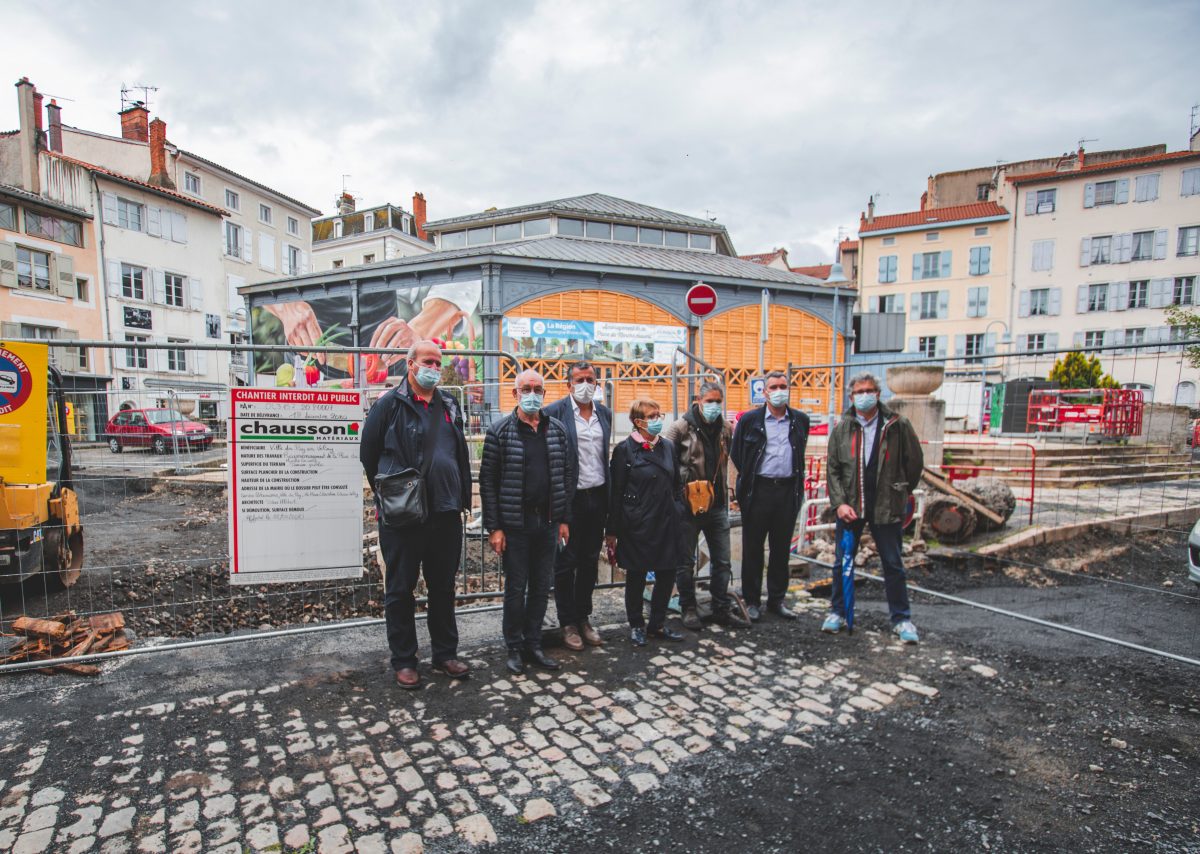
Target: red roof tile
x,y
150,188
848,246
817,271
933,216
1110,166
765,258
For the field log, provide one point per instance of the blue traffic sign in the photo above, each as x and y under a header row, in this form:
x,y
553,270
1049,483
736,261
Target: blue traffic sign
x,y
758,391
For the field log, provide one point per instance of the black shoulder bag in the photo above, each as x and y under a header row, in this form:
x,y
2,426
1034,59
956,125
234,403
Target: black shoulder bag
x,y
403,495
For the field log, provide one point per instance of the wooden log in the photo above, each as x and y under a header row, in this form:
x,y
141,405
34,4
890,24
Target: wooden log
x,y
948,519
106,623
35,628
83,646
938,482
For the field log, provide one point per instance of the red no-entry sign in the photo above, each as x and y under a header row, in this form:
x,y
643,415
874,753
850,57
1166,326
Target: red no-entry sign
x,y
701,299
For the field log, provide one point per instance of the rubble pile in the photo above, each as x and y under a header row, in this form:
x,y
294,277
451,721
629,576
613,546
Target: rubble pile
x,y
66,636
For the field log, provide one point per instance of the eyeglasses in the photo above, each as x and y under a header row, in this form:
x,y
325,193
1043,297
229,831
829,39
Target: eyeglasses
x,y
589,382
532,389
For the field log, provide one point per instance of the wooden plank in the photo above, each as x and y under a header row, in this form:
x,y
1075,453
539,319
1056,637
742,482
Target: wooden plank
x,y
35,628
106,623
83,646
944,485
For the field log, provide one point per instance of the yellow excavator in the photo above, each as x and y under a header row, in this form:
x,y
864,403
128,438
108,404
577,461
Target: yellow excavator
x,y
40,530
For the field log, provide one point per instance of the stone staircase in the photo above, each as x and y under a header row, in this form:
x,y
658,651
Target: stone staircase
x,y
1067,465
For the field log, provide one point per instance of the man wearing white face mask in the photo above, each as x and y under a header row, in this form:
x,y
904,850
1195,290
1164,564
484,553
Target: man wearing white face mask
x,y
875,462
589,425
526,483
702,438
768,451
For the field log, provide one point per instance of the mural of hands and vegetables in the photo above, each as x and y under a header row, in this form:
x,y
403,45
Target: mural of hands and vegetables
x,y
392,320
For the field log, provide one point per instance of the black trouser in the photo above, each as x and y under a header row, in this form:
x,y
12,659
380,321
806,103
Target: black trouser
x,y
577,566
771,516
528,570
715,526
660,597
434,548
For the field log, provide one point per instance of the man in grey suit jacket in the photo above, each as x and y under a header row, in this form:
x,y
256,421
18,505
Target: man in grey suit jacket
x,y
589,425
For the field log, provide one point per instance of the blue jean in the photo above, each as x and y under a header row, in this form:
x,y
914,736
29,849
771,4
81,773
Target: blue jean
x,y
528,572
715,526
887,540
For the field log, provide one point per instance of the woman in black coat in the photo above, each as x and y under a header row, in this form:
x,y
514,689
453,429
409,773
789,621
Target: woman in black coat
x,y
644,520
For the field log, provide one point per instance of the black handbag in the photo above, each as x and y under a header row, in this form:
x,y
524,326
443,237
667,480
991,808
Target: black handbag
x,y
403,495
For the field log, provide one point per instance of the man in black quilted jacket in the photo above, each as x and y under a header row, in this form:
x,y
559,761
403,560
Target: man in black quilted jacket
x,y
526,484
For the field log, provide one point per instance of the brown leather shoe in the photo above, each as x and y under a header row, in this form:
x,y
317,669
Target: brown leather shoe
x,y
408,678
571,638
590,636
453,668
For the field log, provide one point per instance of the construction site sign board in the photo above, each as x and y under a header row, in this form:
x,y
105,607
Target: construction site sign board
x,y
295,485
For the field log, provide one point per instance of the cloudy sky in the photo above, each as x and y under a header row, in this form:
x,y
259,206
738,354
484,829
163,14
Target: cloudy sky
x,y
777,118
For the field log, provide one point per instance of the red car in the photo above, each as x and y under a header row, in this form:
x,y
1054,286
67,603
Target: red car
x,y
159,429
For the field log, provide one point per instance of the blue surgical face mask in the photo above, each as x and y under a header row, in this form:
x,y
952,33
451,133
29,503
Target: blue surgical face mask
x,y
428,377
865,401
779,397
654,426
710,411
531,402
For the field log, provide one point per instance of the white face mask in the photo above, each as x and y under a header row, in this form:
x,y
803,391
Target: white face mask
x,y
583,392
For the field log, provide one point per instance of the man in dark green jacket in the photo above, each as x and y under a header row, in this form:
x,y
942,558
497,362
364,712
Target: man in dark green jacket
x,y
874,463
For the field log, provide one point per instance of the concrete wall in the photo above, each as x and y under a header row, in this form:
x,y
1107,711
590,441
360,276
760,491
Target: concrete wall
x,y
1166,424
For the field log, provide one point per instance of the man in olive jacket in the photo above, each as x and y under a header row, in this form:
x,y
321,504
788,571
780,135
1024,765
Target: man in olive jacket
x,y
874,463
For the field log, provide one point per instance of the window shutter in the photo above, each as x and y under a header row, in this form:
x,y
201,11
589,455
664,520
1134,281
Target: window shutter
x,y
114,278
973,267
943,305
160,286
1122,191
1078,341
972,301
944,264
195,293
284,261
916,266
266,252
154,218
1030,202
1160,244
914,313
1051,340
225,237
1048,254
1189,184
913,344
1115,337
8,267
893,267
1089,195
899,304
1023,304
64,278
940,344
303,263
1118,296
883,267
985,260
158,358
247,245
1160,293
9,330
989,343
983,302
1081,299
873,305
1054,307
199,360
179,227
1085,252
109,203
1124,251
960,345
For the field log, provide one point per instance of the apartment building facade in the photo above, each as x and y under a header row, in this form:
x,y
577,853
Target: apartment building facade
x,y
946,269
1101,249
352,238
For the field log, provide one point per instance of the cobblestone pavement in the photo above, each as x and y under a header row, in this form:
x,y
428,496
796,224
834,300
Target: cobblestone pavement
x,y
344,762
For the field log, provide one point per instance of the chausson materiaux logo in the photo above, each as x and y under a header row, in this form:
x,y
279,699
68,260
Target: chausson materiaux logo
x,y
297,431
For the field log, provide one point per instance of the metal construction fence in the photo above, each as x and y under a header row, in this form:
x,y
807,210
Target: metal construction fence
x,y
151,465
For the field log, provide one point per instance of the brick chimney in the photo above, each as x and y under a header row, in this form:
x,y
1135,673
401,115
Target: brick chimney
x,y
39,135
419,215
1079,159
929,200
30,118
871,209
159,176
135,122
345,204
54,120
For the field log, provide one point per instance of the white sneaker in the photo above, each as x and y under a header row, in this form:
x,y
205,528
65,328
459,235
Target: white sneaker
x,y
906,631
833,624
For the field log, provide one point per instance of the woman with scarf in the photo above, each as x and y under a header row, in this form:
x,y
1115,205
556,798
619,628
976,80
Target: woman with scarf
x,y
644,533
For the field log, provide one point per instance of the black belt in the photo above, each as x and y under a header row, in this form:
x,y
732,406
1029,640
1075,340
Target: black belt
x,y
591,489
777,481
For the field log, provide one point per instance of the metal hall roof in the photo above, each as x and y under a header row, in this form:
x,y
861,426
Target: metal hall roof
x,y
596,204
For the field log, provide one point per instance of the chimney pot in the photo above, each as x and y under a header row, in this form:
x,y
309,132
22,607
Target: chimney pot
x,y
419,215
54,120
159,176
871,209
345,204
135,122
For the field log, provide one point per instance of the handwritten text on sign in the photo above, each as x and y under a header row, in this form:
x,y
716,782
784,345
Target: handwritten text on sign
x,y
295,491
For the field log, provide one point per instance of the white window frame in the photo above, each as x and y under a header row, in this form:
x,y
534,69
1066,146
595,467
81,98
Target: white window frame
x,y
1096,202
137,358
293,226
1139,287
1047,204
931,236
189,177
1097,296
33,267
174,282
927,345
1090,340
233,199
231,229
1039,307
935,296
1035,342
1188,243
270,214
1105,240
129,270
1183,290
124,208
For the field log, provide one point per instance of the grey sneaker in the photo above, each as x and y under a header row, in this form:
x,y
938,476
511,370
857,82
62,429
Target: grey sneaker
x,y
906,631
833,624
